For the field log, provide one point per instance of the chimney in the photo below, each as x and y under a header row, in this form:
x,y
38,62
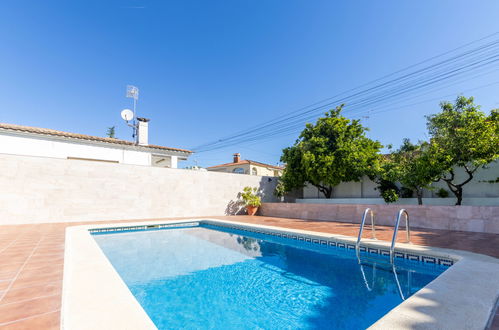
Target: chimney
x,y
237,157
142,132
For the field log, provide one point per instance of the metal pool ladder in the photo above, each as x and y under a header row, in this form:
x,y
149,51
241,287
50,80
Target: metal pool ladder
x,y
368,210
395,231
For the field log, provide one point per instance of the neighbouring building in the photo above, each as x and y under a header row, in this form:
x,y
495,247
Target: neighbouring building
x,y
44,142
245,166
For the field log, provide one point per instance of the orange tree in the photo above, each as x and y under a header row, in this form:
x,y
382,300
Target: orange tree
x,y
462,136
333,150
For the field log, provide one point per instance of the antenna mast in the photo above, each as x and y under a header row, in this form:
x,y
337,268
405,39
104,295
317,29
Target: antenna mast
x,y
133,92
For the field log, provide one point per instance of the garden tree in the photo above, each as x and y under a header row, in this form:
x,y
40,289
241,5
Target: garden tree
x,y
333,150
464,137
413,166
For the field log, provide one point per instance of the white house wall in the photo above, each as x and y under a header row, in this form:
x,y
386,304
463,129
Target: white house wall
x,y
48,147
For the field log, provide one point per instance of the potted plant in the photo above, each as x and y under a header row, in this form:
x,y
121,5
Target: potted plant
x,y
251,199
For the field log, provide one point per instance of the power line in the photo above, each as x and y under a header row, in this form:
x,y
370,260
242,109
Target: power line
x,y
277,120
457,65
298,127
277,130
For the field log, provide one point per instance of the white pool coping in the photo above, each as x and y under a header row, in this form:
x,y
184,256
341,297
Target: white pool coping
x,y
95,297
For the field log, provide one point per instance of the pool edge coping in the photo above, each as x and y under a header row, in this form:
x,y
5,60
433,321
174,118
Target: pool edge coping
x,y
476,300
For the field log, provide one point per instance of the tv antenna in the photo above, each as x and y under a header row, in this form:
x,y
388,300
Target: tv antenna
x,y
131,115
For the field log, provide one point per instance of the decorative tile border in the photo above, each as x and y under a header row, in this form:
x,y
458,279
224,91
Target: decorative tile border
x,y
144,227
342,245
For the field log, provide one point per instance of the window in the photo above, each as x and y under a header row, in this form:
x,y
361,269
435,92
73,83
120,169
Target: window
x,y
254,171
238,170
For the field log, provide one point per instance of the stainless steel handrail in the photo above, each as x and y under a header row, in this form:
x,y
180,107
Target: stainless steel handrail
x,y
368,210
395,231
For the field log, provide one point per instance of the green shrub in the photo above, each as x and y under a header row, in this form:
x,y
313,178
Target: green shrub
x,y
388,190
442,193
390,195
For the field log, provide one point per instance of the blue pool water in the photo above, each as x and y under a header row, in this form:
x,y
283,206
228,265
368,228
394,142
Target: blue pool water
x,y
209,277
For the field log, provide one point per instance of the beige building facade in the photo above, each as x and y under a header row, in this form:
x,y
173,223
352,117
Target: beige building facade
x,y
250,167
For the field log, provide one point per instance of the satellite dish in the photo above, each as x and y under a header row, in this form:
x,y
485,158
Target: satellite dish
x,y
127,114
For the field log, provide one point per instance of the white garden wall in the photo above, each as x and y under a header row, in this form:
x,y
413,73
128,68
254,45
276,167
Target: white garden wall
x,y
479,187
38,190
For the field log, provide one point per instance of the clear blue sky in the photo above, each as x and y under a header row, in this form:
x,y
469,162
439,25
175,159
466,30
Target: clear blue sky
x,y
207,69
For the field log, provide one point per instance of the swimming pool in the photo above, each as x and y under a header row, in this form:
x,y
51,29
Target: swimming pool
x,y
202,275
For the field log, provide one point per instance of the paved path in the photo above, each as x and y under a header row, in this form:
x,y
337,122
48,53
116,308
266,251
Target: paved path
x,y
32,258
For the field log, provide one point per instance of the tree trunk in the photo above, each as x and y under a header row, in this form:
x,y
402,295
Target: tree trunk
x,y
326,190
459,195
419,194
457,189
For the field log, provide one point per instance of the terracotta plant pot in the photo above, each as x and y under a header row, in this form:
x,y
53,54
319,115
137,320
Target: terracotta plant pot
x,y
251,209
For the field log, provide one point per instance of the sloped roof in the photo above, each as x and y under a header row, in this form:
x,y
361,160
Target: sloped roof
x,y
245,161
76,136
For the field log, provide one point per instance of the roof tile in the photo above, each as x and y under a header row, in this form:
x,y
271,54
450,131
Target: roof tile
x,y
47,131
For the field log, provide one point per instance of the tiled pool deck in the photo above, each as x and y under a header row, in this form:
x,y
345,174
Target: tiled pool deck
x,y
32,258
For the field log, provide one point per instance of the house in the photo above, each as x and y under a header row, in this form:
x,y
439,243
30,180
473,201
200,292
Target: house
x,y
44,142
247,167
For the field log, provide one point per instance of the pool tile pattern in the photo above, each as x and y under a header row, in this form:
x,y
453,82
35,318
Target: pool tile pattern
x,y
32,259
336,244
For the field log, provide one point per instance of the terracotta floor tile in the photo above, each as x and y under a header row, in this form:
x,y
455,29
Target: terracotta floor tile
x,y
16,249
49,250
48,270
48,321
28,308
42,255
7,275
4,284
8,266
26,293
42,264
45,260
14,257
36,280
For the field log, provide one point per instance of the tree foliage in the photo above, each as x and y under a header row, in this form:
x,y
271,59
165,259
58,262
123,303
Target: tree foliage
x,y
413,166
464,137
333,150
